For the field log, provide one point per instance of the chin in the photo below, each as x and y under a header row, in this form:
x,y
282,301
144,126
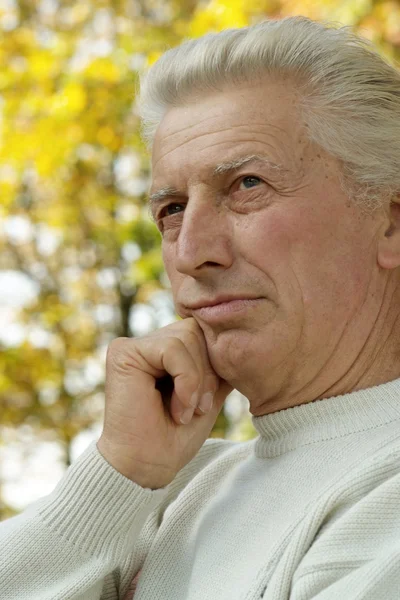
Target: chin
x,y
230,351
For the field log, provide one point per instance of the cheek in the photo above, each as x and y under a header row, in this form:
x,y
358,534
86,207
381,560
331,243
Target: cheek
x,y
309,257
168,256
168,262
265,240
328,260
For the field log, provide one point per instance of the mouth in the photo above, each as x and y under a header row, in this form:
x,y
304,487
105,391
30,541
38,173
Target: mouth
x,y
230,309
221,299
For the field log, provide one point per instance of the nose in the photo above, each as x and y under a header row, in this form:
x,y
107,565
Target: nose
x,y
205,238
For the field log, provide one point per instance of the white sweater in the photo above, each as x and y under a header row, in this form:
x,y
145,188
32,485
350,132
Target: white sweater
x,y
310,509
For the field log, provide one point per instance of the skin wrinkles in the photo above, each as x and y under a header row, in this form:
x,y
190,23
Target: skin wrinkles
x,y
235,164
294,173
258,128
327,275
363,353
231,166
191,129
277,181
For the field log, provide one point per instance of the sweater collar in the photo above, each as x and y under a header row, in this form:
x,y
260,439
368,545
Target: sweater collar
x,y
326,419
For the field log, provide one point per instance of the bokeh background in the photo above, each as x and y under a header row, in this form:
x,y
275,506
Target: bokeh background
x,y
80,260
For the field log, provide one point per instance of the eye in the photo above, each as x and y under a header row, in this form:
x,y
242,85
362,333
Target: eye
x,y
165,211
249,181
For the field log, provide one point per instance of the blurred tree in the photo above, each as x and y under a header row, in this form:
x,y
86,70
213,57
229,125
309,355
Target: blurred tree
x,y
74,174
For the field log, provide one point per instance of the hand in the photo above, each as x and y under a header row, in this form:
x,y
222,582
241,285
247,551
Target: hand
x,y
150,380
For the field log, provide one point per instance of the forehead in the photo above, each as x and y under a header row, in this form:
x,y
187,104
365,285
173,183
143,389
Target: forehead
x,y
258,119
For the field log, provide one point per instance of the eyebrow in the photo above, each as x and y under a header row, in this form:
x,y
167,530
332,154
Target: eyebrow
x,y
220,169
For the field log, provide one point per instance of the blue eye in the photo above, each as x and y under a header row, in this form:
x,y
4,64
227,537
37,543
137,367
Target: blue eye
x,y
251,179
165,210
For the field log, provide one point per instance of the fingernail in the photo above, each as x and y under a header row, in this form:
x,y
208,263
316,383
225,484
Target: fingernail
x,y
186,415
194,399
206,402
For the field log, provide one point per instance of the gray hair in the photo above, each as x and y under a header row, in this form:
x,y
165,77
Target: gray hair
x,y
349,96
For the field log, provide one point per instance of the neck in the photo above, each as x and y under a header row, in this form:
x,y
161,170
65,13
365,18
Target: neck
x,y
366,356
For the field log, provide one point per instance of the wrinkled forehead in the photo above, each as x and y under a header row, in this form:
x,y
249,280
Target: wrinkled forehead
x,y
257,118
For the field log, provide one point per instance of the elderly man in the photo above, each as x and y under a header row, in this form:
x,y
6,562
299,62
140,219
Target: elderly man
x,y
275,153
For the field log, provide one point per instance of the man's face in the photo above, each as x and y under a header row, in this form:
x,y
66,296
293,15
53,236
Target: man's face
x,y
282,232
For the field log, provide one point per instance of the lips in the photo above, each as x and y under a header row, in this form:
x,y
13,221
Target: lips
x,y
228,311
219,300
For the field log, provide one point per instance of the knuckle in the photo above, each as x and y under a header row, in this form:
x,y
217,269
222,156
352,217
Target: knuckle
x,y
116,345
173,342
192,336
123,355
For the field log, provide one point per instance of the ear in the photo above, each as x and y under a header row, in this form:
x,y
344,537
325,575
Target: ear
x,y
389,243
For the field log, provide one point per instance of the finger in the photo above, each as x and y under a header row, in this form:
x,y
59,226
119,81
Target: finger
x,y
177,360
196,344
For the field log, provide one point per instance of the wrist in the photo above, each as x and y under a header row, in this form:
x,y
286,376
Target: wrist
x,y
130,469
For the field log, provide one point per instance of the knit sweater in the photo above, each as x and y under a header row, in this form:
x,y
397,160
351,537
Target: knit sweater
x,y
309,509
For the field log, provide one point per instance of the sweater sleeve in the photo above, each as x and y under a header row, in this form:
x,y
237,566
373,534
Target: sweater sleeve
x,y
356,555
67,545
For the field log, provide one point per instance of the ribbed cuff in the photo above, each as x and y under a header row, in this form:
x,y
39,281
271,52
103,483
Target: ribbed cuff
x,y
97,509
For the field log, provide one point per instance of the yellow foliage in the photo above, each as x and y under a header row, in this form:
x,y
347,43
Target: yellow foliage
x,y
103,69
42,66
389,15
152,57
23,38
146,268
5,382
107,137
217,15
7,193
80,11
146,290
341,11
223,14
68,101
74,133
53,149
